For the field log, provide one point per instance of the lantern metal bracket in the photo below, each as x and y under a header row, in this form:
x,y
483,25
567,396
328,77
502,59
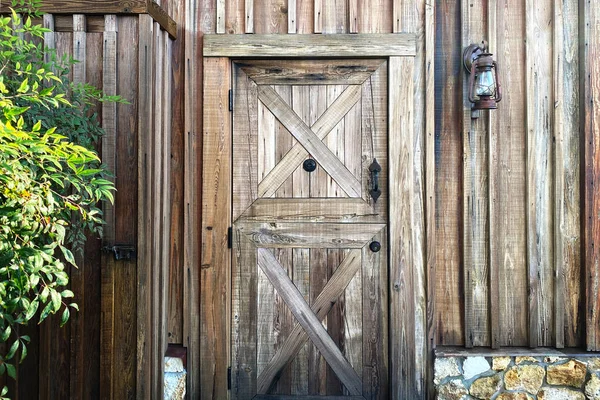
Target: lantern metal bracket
x,y
471,53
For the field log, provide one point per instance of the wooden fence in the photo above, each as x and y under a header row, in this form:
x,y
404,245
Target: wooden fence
x,y
505,232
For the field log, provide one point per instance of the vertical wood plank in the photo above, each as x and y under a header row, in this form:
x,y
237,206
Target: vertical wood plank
x,y
353,16
249,16
77,275
235,18
430,196
494,289
109,123
216,219
49,37
334,17
144,256
318,16
176,285
126,209
508,177
220,16
93,246
375,16
567,213
199,19
270,16
157,250
540,249
402,307
590,85
449,301
292,16
475,201
305,16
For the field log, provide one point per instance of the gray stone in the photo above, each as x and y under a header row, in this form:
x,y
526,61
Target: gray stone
x,y
485,388
453,390
445,367
571,373
474,366
175,385
173,364
500,363
559,394
524,359
592,388
524,377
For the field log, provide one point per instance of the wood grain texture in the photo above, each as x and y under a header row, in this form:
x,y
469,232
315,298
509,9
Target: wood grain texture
x,y
540,187
430,195
320,307
402,306
77,275
590,86
310,141
309,321
163,18
449,300
475,199
375,16
216,219
270,17
321,128
144,253
567,213
307,235
312,210
342,45
249,20
126,209
244,313
109,124
309,72
508,232
292,10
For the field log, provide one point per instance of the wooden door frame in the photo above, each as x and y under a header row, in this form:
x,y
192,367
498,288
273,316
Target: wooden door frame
x,y
399,49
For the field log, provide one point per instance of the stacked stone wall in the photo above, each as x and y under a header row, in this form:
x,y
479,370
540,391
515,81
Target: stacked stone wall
x,y
517,378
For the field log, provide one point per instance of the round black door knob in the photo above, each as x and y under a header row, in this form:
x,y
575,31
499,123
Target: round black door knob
x,y
309,165
375,247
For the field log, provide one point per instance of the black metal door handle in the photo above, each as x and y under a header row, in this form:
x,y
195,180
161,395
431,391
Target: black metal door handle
x,y
375,169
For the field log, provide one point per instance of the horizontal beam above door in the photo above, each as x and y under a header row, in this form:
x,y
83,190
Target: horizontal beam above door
x,y
361,45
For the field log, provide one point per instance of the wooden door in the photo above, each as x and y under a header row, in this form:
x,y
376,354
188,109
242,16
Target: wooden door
x,y
309,294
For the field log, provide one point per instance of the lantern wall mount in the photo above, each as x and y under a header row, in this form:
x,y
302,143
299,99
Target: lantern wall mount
x,y
484,86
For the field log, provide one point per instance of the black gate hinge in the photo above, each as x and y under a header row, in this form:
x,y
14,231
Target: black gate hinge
x,y
228,378
230,100
229,237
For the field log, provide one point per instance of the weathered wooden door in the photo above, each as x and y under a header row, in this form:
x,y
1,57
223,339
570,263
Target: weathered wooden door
x,y
310,269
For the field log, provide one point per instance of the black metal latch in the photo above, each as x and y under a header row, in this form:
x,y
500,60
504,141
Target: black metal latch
x,y
121,251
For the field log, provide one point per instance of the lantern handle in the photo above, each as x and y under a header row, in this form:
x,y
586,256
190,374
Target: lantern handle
x,y
471,79
498,86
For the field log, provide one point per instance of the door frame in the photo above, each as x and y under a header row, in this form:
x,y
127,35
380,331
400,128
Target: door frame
x,y
211,354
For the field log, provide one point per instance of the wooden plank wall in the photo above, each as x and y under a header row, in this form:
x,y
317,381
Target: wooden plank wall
x,y
295,17
95,355
508,199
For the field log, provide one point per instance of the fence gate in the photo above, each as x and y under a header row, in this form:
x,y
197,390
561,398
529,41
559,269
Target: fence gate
x,y
310,201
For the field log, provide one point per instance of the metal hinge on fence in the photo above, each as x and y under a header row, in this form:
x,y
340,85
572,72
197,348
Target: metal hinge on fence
x,y
121,251
230,100
228,378
229,237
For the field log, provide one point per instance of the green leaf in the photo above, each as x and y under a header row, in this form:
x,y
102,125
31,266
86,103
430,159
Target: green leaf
x,y
67,293
12,350
45,312
23,352
68,255
65,317
33,307
11,371
56,300
4,391
5,334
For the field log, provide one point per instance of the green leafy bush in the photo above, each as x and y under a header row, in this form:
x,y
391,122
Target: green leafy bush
x,y
50,181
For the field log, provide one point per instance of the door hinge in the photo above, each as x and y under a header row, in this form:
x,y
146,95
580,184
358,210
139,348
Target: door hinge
x,y
230,100
229,237
228,378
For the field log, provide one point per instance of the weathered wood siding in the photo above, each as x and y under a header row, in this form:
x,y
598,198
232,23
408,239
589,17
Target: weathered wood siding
x,y
508,211
105,350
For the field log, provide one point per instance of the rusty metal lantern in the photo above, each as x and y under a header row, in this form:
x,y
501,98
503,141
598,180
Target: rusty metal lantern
x,y
484,86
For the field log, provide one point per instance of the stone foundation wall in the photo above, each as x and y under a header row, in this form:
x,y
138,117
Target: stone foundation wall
x,y
517,378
